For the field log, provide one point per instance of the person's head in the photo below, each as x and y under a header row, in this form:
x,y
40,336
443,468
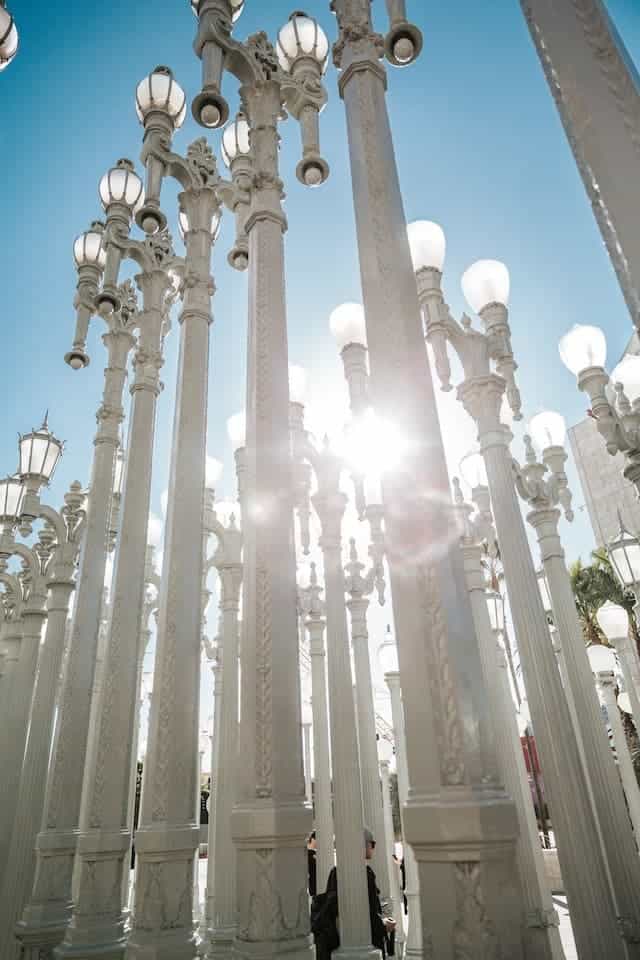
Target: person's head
x,y
311,841
369,844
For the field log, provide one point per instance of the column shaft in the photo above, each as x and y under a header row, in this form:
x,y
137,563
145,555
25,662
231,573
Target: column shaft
x,y
18,874
413,946
625,766
355,928
389,850
222,908
448,732
168,834
540,934
49,906
98,919
581,858
367,743
617,836
322,754
271,819
17,720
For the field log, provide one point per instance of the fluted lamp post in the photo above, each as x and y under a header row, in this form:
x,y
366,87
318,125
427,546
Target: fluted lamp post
x,y
388,657
385,754
540,922
489,375
603,663
271,819
614,623
542,484
8,37
615,401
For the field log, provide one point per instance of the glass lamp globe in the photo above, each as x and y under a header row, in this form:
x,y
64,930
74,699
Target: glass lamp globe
x,y
624,702
602,659
548,429
118,472
237,6
543,586
348,325
235,139
183,224
473,470
88,249
495,606
485,282
12,491
159,91
121,184
388,654
427,245
8,38
237,430
385,750
297,384
624,553
39,452
613,621
627,372
302,36
583,346
213,472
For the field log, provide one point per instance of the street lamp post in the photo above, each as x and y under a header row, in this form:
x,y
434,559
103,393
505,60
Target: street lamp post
x,y
315,624
67,526
221,912
47,911
389,662
443,694
614,623
168,833
330,503
385,753
486,288
359,584
541,936
602,660
271,819
544,495
98,917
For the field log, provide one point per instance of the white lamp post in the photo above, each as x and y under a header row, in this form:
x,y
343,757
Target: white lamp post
x,y
271,747
385,753
359,584
315,623
540,922
104,829
614,399
603,664
65,530
221,912
544,494
489,373
614,623
388,656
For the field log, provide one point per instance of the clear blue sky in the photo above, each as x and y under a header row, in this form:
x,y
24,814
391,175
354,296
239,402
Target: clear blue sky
x,y
480,149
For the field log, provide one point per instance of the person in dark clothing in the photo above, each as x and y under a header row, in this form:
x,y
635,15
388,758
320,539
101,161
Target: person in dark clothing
x,y
382,928
311,863
403,881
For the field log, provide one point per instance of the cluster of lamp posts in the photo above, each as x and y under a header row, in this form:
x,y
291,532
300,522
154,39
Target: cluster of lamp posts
x,y
70,705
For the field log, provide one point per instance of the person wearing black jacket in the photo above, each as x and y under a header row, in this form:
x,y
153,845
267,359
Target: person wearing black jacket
x,y
325,929
312,864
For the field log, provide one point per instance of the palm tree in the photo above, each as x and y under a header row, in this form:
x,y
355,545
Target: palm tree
x,y
615,592
591,588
